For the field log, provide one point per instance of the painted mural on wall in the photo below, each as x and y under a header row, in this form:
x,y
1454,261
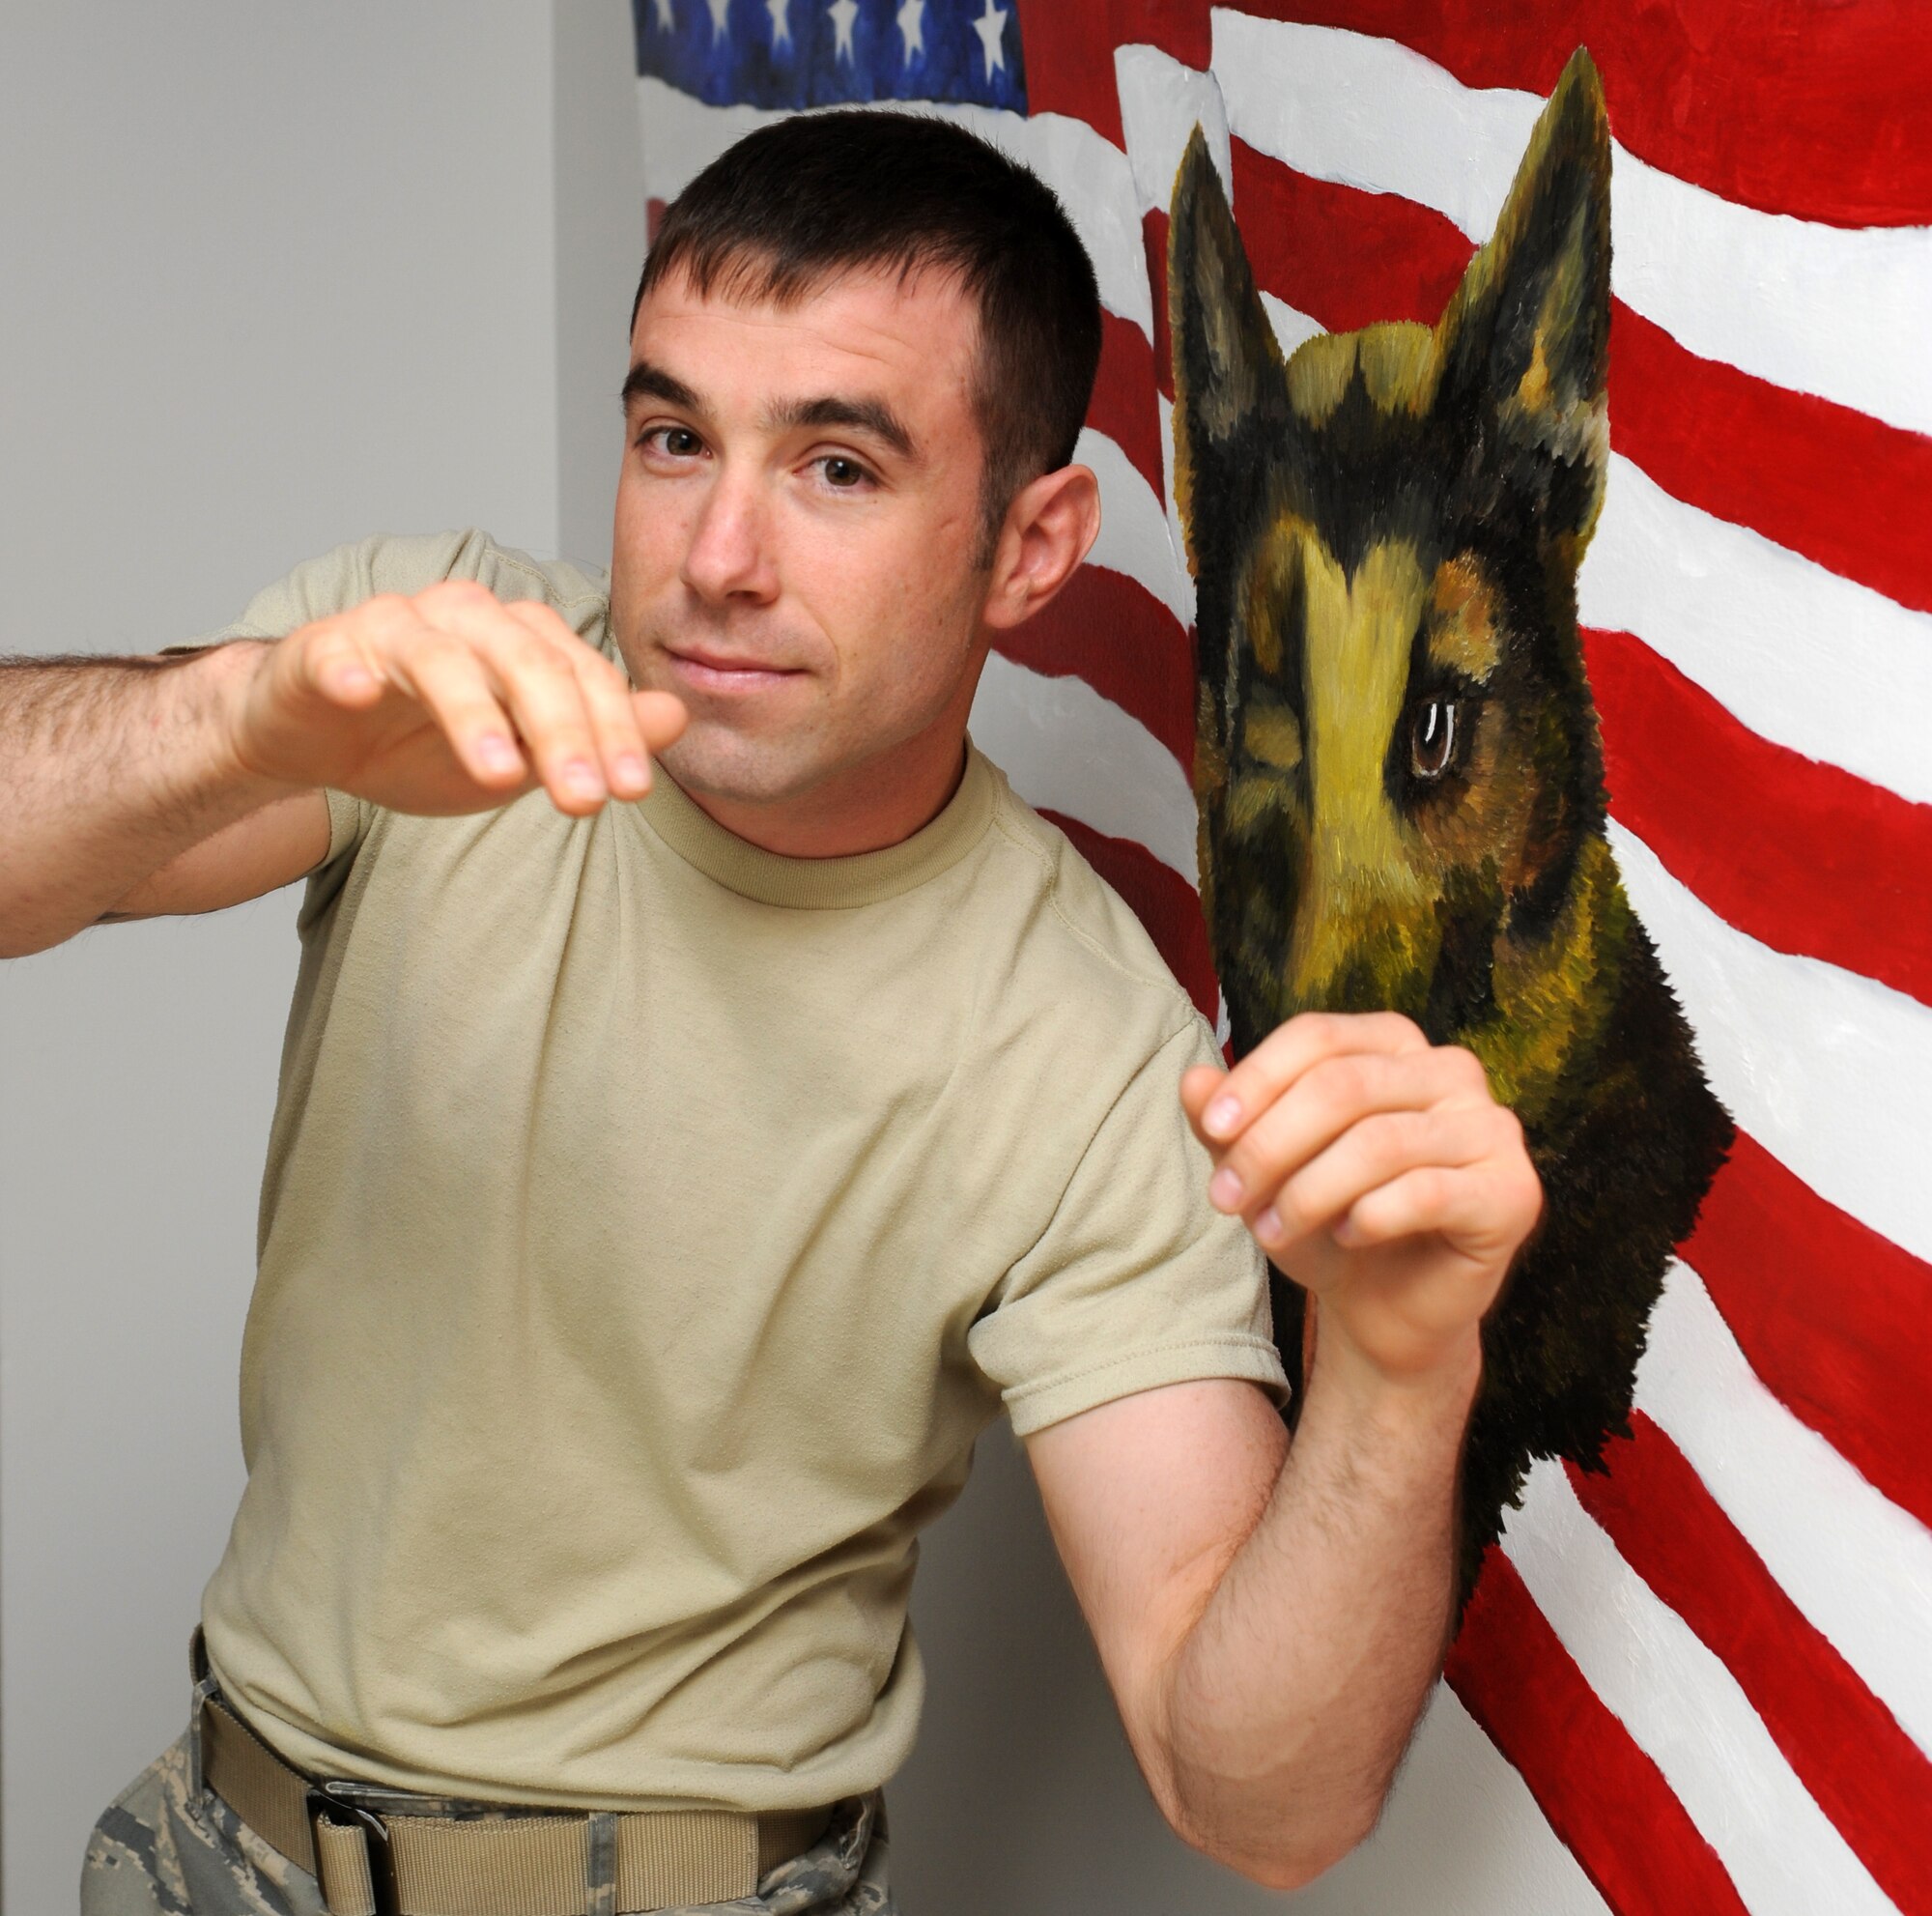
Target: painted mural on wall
x,y
1397,760
1706,1668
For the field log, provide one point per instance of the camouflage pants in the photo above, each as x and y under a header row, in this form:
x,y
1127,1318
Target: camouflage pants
x,y
168,1846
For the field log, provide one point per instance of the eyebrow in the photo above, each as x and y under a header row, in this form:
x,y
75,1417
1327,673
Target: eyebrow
x,y
870,415
645,381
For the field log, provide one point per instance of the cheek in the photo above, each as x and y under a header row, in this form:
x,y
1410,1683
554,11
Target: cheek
x,y
647,535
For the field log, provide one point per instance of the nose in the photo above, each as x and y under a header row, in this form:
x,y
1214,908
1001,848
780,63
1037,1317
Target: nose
x,y
728,555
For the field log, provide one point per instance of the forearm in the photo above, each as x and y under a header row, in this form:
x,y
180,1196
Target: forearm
x,y
109,768
1292,1698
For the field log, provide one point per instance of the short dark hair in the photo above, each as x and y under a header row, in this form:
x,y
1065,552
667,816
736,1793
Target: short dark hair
x,y
801,200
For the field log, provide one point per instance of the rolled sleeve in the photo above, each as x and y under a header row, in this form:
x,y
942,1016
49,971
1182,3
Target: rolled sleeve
x,y
1137,1281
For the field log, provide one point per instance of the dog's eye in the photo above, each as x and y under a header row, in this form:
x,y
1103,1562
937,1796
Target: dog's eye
x,y
1432,736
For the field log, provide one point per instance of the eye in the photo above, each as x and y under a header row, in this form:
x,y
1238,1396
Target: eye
x,y
842,473
677,442
1432,727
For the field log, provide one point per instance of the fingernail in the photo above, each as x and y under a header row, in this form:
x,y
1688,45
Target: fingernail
x,y
1268,1227
580,777
1224,1191
630,772
496,752
1223,1115
351,676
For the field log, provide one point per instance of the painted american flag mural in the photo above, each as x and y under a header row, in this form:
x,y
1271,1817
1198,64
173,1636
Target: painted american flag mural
x,y
1712,1667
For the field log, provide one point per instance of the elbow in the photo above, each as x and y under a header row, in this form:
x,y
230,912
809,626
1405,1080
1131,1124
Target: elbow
x,y
1296,1869
18,941
1302,1844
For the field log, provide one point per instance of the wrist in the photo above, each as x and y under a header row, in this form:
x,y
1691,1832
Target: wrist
x,y
216,690
1428,1385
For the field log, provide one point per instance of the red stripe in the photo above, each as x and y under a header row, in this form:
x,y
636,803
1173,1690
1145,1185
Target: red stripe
x,y
1786,105
1843,489
1069,52
1124,405
1344,257
1846,1748
1112,632
1603,1796
1837,485
1835,1320
1163,901
1803,856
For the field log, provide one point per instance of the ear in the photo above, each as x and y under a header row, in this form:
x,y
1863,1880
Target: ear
x,y
1525,340
1227,375
1049,527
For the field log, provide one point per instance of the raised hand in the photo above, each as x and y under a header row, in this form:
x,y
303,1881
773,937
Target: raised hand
x,y
1380,1173
448,702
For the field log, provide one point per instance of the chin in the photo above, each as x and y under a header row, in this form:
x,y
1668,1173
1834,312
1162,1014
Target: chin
x,y
720,764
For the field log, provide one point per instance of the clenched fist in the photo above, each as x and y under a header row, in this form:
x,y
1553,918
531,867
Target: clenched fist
x,y
447,701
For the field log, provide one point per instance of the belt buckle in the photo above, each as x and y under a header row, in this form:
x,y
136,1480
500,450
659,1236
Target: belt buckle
x,y
330,1801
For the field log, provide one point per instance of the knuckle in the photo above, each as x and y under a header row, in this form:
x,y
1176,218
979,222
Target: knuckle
x,y
1461,1067
436,651
1393,1135
1341,1083
385,614
1398,1026
534,658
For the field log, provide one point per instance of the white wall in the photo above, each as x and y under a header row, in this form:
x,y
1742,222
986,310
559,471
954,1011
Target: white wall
x,y
275,277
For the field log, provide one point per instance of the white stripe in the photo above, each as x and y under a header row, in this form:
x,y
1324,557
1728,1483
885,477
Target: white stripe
x,y
1292,329
1829,1071
1161,101
1135,537
1176,532
1685,1712
1067,749
682,137
1820,308
1856,1565
1849,679
1802,657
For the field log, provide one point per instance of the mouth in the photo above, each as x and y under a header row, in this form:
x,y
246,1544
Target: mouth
x,y
718,673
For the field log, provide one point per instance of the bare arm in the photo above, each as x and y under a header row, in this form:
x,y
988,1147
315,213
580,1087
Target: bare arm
x,y
136,785
1271,1621
1272,1616
115,770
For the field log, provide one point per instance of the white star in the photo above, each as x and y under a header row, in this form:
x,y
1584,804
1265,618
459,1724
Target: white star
x,y
912,28
719,8
665,18
843,13
991,27
781,26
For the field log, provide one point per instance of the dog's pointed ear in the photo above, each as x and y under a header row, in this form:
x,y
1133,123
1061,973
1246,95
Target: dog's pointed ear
x,y
1227,372
1526,338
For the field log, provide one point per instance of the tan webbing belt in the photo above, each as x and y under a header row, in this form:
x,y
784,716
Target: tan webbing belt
x,y
548,1863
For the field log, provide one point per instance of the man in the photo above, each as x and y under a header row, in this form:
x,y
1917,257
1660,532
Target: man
x,y
661,1197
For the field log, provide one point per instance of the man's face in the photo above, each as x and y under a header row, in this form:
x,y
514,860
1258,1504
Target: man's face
x,y
797,535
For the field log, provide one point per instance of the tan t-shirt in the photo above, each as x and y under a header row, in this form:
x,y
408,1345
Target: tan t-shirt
x,y
650,1226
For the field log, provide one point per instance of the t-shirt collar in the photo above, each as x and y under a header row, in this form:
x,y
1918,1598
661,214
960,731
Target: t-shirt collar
x,y
822,883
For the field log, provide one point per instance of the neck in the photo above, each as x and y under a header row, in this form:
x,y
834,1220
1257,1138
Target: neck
x,y
864,810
